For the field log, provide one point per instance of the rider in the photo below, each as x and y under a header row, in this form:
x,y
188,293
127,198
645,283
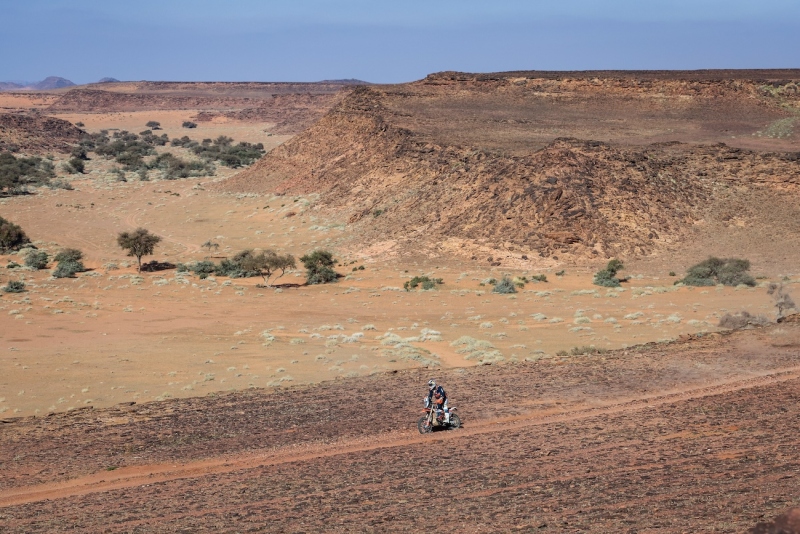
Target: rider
x,y
438,398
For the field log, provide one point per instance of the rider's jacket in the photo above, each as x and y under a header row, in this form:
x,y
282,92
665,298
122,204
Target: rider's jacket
x,y
440,391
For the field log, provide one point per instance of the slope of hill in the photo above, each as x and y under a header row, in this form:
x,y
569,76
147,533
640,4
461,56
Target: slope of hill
x,y
9,86
482,162
36,133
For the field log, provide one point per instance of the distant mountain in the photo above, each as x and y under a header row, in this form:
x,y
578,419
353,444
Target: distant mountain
x,y
52,82
107,80
9,86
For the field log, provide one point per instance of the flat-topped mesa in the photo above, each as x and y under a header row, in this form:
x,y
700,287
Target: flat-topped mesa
x,y
705,75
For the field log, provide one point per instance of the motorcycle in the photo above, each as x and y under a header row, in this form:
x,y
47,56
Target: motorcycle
x,y
430,420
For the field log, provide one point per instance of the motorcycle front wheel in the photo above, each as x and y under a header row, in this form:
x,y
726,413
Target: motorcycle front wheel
x,y
423,426
455,421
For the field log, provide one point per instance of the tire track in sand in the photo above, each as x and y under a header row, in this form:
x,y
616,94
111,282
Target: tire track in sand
x,y
128,477
131,220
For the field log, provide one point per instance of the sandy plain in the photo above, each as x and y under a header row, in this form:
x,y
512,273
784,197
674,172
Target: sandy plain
x,y
113,335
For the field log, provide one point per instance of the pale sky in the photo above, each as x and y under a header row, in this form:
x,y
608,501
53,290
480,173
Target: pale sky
x,y
382,41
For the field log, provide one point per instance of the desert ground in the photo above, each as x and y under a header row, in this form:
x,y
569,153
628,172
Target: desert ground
x,y
227,404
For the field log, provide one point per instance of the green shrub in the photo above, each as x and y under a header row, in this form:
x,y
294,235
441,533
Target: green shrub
x,y
14,286
189,124
17,173
76,166
153,125
605,278
69,254
713,271
540,277
68,269
79,152
11,236
505,286
36,259
223,150
174,167
203,267
319,267
425,282
608,277
181,268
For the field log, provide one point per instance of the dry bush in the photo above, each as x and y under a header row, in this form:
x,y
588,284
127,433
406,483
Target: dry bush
x,y
783,301
742,320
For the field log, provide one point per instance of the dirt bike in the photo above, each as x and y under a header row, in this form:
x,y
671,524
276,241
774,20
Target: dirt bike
x,y
430,420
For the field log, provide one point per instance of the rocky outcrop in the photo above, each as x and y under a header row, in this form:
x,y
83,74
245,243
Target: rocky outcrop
x,y
570,198
36,133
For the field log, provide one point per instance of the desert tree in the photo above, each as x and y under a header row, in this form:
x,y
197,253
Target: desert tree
x,y
319,267
267,263
783,301
208,245
138,243
153,125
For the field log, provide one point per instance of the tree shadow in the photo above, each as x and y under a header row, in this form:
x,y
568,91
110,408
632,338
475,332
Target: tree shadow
x,y
155,266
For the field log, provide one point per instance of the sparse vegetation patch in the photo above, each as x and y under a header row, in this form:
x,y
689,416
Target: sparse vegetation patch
x,y
425,282
18,172
713,271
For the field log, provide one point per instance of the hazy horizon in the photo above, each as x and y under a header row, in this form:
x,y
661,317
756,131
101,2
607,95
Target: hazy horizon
x,y
313,40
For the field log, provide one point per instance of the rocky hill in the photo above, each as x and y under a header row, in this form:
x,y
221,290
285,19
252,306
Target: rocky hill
x,y
52,82
9,86
480,164
33,133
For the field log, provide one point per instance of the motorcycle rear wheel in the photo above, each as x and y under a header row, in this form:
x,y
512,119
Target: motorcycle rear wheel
x,y
455,421
423,426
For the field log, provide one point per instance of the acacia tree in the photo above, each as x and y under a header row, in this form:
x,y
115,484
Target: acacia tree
x,y
138,243
268,263
209,245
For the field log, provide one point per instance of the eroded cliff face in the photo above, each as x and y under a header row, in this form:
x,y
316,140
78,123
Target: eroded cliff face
x,y
483,161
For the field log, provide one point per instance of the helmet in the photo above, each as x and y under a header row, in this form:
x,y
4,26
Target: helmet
x,y
431,383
